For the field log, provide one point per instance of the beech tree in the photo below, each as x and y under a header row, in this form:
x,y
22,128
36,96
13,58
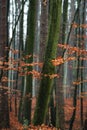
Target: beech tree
x,y
62,69
29,52
48,68
41,70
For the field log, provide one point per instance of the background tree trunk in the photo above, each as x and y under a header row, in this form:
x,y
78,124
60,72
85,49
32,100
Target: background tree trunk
x,y
4,110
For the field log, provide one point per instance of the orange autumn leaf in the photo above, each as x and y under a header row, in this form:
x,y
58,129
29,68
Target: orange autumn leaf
x,y
71,108
83,25
4,79
1,67
36,74
70,58
14,51
76,82
59,60
1,62
27,56
53,76
74,25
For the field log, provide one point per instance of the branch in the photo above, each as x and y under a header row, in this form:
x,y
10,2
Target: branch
x,y
71,27
14,30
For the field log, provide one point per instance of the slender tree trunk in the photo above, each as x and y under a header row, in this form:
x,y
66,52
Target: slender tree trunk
x,y
4,110
75,97
77,74
82,62
29,51
36,47
43,29
21,48
61,70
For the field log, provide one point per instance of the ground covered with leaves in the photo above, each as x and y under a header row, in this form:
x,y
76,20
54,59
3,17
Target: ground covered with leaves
x,y
15,125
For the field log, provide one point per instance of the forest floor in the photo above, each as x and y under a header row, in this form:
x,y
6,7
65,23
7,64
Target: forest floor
x,y
15,125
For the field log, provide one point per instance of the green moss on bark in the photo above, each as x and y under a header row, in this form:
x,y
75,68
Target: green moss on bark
x,y
48,68
29,51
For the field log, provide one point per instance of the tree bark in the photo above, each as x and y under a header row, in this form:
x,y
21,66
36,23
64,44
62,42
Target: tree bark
x,y
48,68
29,51
4,110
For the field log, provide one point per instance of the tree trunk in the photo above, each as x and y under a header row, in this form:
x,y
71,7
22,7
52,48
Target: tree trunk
x,y
36,47
4,110
48,68
62,70
82,62
21,48
29,51
43,29
77,20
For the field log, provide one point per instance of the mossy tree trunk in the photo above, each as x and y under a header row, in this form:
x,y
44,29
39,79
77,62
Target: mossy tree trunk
x,y
29,51
48,68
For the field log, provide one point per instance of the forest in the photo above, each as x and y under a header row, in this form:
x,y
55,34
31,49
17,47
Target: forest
x,y
43,72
